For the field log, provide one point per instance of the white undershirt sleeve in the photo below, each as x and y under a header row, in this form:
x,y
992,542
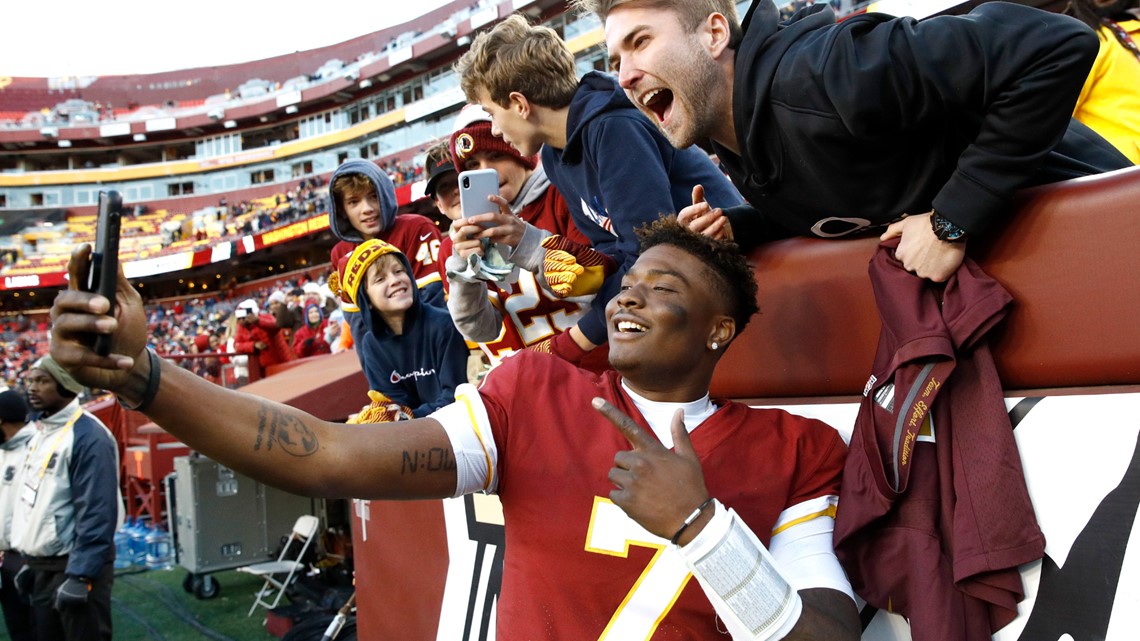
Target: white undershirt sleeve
x,y
802,544
468,428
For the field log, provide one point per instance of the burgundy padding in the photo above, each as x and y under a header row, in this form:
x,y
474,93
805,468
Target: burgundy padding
x,y
1070,255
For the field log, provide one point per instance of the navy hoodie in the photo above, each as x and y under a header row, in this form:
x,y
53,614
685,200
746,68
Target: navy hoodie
x,y
618,172
420,368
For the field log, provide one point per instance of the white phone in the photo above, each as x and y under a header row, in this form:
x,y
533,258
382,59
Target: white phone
x,y
475,186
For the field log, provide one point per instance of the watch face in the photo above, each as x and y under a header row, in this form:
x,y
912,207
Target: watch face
x,y
946,230
953,233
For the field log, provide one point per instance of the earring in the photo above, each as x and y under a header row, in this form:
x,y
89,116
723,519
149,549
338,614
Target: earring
x,y
714,346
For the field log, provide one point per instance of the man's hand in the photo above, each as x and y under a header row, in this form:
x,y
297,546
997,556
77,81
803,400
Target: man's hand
x,y
704,219
73,591
77,315
656,487
921,252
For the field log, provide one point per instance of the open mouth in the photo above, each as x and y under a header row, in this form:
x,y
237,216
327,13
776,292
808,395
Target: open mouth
x,y
630,327
659,102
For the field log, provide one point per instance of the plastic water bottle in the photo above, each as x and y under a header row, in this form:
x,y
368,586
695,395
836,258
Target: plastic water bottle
x,y
158,553
138,543
123,545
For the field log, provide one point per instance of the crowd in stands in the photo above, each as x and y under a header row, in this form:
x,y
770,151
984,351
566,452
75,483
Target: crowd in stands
x,y
305,200
402,173
147,234
200,325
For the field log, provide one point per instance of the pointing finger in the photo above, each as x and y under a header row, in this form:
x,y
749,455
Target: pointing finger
x,y
632,432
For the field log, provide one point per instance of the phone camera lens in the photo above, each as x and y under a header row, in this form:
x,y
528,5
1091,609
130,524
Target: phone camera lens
x,y
466,182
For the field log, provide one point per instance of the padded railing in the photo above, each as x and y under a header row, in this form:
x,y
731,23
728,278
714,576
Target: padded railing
x,y
1069,254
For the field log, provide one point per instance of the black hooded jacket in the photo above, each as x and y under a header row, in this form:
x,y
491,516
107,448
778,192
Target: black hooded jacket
x,y
844,126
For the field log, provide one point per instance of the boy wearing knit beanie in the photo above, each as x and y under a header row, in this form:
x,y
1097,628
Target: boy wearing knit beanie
x,y
521,312
410,351
611,163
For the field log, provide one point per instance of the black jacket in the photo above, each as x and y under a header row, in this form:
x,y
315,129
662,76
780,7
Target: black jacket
x,y
851,125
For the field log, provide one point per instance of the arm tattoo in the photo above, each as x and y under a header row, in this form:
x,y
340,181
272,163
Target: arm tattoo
x,y
289,432
436,459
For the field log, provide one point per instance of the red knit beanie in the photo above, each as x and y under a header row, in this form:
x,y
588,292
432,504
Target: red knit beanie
x,y
472,134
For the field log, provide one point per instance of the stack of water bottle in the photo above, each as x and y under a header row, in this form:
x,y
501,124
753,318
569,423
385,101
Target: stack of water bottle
x,y
140,544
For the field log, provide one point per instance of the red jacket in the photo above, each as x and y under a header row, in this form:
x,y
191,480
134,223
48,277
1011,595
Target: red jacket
x,y
265,331
304,347
934,516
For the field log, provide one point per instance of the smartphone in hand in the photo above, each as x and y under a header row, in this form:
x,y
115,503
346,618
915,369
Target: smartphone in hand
x,y
475,186
103,272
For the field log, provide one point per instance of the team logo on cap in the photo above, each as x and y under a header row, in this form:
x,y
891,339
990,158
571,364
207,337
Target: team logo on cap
x,y
464,144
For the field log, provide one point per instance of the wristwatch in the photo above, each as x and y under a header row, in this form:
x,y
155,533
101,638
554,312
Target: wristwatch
x,y
945,230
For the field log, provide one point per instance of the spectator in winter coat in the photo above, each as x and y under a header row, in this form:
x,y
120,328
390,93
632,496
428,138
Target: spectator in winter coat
x,y
309,340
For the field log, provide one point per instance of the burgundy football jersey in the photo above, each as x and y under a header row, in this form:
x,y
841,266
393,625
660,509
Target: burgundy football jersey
x,y
576,567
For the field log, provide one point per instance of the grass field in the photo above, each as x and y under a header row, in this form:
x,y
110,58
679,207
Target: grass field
x,y
153,606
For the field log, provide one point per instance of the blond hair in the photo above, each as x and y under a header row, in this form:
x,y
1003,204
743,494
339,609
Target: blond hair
x,y
518,56
690,12
440,150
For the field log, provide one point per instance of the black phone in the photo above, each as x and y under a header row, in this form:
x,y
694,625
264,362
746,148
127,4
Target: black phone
x,y
103,272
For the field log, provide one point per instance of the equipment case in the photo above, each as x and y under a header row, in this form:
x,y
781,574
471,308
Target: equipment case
x,y
224,520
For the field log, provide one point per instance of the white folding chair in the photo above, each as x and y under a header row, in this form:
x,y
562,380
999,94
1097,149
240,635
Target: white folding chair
x,y
304,531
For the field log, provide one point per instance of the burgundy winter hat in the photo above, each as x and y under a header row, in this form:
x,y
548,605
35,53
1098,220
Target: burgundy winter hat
x,y
472,134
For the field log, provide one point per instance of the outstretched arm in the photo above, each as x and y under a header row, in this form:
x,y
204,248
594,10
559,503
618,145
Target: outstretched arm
x,y
273,443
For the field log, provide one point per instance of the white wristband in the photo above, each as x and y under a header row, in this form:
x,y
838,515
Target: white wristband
x,y
741,580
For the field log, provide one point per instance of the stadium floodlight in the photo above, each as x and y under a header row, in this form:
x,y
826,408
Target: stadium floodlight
x,y
291,109
49,132
229,124
216,113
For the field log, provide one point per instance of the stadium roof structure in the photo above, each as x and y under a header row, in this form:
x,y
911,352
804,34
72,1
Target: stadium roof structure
x,y
201,101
